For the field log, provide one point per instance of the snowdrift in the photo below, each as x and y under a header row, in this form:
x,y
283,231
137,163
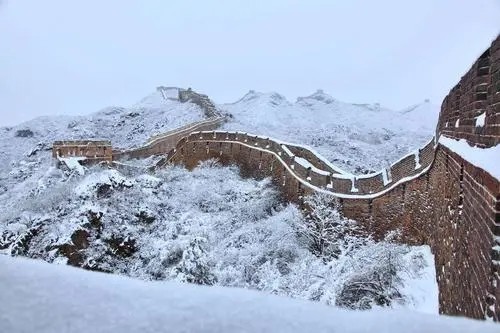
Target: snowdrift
x,y
40,297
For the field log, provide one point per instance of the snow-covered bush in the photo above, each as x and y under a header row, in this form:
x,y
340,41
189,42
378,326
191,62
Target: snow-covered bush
x,y
375,276
193,266
373,267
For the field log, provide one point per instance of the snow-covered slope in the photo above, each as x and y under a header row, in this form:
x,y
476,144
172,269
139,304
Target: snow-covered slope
x,y
25,148
125,127
43,298
207,226
356,137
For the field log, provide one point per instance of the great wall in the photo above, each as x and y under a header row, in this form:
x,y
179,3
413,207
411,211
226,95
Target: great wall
x,y
433,196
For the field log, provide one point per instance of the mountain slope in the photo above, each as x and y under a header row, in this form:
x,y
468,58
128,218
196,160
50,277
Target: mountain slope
x,y
124,126
356,137
145,226
207,226
25,149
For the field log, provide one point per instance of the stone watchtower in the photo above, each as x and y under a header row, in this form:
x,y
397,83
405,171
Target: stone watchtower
x,y
91,151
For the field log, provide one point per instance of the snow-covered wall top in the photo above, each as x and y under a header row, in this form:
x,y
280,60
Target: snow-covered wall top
x,y
471,111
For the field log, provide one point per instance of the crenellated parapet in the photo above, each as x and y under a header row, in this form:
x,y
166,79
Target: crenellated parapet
x,y
237,147
92,151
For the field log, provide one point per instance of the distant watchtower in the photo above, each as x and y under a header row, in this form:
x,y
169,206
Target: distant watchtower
x,y
92,151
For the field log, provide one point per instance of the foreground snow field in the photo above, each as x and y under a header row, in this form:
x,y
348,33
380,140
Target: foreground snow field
x,y
43,298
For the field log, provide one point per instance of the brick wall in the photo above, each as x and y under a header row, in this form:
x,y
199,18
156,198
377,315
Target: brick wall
x,y
433,196
453,207
162,144
328,180
311,157
477,94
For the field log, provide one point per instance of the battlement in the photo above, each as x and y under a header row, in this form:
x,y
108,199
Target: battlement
x,y
92,151
320,176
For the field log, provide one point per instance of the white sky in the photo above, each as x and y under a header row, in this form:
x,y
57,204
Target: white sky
x,y
76,57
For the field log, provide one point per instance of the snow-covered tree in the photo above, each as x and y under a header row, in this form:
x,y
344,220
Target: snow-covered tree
x,y
327,231
375,277
194,266
368,273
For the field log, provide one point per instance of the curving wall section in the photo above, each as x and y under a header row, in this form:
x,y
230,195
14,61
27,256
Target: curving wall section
x,y
434,196
267,155
159,144
439,199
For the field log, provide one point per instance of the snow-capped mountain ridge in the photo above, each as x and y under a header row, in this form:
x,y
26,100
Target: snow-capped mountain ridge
x,y
337,130
272,98
359,138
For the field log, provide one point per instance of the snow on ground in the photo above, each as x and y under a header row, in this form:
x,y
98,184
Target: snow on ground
x,y
207,226
487,159
44,298
356,137
422,286
73,163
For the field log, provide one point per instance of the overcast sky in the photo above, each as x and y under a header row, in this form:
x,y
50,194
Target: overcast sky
x,y
76,57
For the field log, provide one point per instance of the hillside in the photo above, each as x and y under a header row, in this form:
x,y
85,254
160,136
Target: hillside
x,y
356,137
337,130
237,232
126,127
208,226
37,297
